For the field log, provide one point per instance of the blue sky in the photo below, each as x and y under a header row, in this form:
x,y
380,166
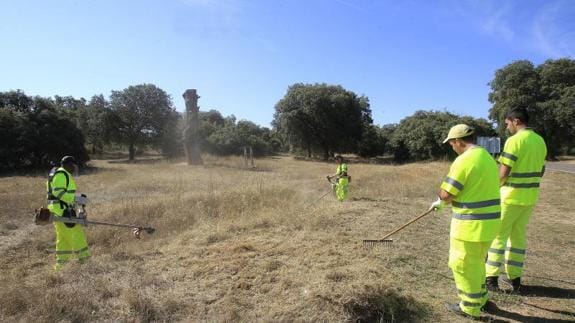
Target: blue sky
x,y
241,56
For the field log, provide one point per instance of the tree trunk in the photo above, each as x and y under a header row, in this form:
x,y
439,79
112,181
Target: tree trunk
x,y
132,152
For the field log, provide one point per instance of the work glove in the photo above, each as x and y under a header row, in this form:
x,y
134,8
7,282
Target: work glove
x,y
81,199
438,205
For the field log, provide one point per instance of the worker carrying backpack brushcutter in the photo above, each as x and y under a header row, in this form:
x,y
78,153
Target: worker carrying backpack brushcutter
x,y
522,164
342,179
472,188
62,198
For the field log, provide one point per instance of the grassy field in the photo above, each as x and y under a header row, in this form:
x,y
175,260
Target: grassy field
x,y
233,244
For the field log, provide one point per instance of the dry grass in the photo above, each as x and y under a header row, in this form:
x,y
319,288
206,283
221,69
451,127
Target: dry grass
x,y
235,244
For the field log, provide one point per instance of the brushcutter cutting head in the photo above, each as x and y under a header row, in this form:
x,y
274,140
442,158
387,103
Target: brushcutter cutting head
x,y
136,232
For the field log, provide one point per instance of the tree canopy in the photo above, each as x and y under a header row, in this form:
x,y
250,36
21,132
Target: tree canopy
x,y
326,118
140,114
546,91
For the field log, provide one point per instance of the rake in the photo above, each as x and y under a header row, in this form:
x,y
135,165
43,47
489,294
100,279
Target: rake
x,y
385,239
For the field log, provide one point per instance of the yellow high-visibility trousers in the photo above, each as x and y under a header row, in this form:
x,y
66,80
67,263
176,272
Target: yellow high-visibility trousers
x,y
70,243
341,188
467,262
510,245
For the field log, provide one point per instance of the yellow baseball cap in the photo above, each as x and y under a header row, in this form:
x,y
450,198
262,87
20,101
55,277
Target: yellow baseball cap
x,y
459,131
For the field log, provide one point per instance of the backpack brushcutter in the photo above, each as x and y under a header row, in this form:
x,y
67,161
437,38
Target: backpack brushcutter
x,y
43,216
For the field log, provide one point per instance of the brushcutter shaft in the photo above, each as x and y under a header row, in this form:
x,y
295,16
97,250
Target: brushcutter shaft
x,y
83,221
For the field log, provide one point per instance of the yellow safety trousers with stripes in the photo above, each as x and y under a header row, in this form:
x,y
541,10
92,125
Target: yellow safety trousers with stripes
x,y
342,186
71,243
466,262
508,249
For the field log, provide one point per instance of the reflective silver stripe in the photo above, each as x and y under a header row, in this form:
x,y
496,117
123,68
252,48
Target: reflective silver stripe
x,y
509,156
522,185
515,250
497,251
526,175
453,182
493,263
61,261
71,191
514,263
59,189
474,295
469,304
485,216
476,205
69,252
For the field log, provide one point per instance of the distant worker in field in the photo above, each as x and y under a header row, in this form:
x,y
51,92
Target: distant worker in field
x,y
62,199
342,179
522,164
472,188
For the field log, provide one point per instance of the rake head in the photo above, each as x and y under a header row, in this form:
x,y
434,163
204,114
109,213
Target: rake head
x,y
378,242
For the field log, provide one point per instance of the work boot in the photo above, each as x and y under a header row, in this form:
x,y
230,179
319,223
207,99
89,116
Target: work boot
x,y
454,308
489,307
492,283
515,283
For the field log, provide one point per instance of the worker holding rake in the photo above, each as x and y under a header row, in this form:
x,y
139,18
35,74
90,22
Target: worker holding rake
x,y
342,179
522,167
62,197
472,189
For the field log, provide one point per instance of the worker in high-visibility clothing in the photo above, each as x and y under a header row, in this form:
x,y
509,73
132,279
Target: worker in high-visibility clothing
x,y
62,199
522,164
342,179
472,188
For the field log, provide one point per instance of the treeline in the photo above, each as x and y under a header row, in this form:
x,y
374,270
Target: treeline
x,y
316,120
37,131
323,119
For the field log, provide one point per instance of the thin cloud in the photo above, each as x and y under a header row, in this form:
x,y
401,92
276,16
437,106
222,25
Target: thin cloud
x,y
491,17
352,5
215,16
554,29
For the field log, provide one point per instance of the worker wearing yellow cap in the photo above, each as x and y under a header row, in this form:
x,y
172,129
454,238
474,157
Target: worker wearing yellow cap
x,y
522,166
472,189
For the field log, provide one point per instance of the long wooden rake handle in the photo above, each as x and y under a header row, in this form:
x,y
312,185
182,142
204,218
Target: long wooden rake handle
x,y
400,228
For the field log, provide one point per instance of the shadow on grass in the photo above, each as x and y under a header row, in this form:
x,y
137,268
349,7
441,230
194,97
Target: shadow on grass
x,y
518,317
551,310
547,291
382,304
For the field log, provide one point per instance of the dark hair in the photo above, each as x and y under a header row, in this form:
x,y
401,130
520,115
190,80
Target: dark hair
x,y
519,114
340,157
470,139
